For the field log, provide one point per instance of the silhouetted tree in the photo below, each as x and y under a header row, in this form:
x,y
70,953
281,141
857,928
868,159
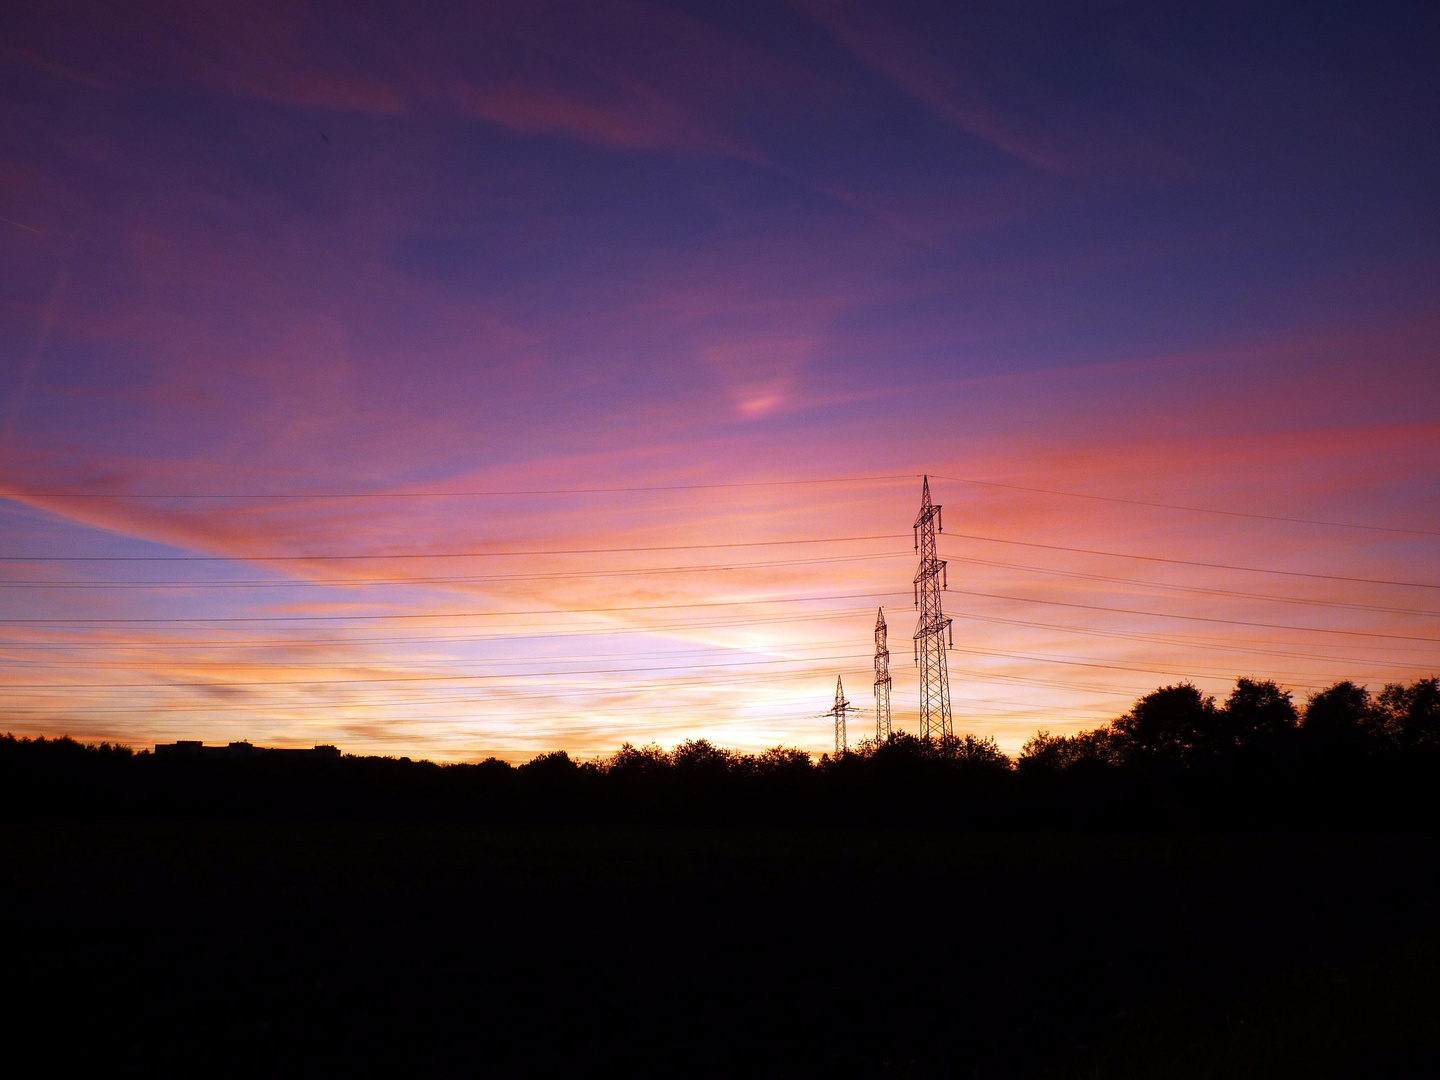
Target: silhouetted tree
x,y
1341,719
1046,753
1258,716
1174,725
783,761
555,766
699,758
1055,753
902,746
493,768
974,753
633,763
1411,714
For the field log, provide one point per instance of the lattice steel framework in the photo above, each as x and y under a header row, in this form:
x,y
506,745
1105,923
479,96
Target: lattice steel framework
x,y
882,679
840,710
933,628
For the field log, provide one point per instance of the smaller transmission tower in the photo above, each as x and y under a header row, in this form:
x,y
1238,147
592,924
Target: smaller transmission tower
x,y
840,710
882,679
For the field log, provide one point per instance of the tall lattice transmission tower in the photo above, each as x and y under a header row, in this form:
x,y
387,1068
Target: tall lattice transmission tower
x,y
882,679
840,710
933,628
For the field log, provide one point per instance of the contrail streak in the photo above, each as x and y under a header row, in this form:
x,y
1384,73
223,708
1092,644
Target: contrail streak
x,y
17,224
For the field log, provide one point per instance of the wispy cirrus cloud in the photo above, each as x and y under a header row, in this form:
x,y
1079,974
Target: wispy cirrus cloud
x,y
972,89
638,77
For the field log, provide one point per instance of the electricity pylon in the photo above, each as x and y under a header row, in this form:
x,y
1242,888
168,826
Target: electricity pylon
x,y
839,711
882,679
933,627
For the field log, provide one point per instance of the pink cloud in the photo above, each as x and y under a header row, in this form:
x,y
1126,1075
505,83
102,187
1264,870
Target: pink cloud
x,y
643,120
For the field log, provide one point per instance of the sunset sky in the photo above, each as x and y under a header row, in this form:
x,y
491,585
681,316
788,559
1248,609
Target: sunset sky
x,y
469,379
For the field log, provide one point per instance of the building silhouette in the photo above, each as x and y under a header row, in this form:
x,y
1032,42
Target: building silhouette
x,y
194,748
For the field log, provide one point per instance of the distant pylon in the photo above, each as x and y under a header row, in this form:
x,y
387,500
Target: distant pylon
x,y
931,631
882,679
839,711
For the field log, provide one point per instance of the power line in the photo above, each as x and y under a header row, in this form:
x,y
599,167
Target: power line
x,y
500,686
1088,631
1154,639
444,614
232,684
465,635
640,488
643,571
346,583
436,554
492,694
508,661
994,676
517,553
182,708
463,494
489,697
667,654
1193,562
1200,589
708,604
1191,509
1089,663
1198,618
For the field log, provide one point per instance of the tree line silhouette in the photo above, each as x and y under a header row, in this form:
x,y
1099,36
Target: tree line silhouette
x,y
1177,757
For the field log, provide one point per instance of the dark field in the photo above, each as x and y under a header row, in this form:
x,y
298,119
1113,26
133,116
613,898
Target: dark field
x,y
452,950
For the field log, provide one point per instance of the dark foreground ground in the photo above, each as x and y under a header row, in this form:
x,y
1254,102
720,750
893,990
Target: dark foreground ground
x,y
443,950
